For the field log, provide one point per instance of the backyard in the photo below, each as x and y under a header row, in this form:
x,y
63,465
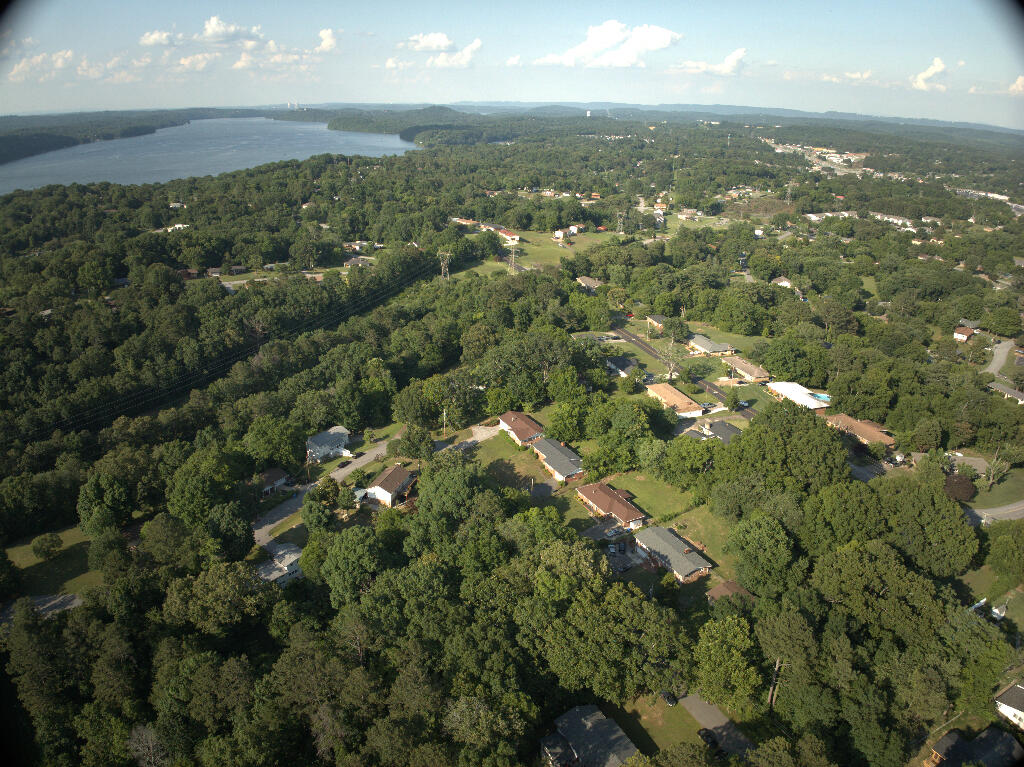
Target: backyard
x,y
652,725
67,573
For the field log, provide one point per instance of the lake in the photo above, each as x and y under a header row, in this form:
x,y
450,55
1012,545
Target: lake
x,y
200,148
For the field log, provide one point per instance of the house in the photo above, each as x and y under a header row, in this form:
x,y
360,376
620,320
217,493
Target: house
x,y
272,479
574,229
464,221
561,462
993,748
358,261
621,366
720,430
606,500
704,345
657,320
801,395
865,432
559,234
748,371
963,333
587,738
520,427
238,269
673,553
694,433
283,566
782,282
675,400
589,284
727,589
1007,392
327,444
213,271
391,486
509,236
1010,703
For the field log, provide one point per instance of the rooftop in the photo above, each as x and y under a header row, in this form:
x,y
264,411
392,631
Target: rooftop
x,y
589,282
392,479
865,431
1013,697
749,368
619,362
270,476
1007,390
707,345
521,425
558,457
332,436
797,393
671,397
596,740
608,500
676,554
723,430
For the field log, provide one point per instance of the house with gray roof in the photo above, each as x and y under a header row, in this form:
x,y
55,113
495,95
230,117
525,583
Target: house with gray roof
x,y
672,552
993,748
620,365
1010,703
593,739
721,430
561,462
704,345
327,444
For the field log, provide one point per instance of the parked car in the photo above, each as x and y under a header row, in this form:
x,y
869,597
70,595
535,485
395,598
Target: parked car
x,y
622,547
708,405
744,403
612,532
611,548
669,698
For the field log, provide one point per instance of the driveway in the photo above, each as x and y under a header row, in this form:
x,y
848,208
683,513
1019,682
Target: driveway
x,y
866,473
1013,510
710,716
999,355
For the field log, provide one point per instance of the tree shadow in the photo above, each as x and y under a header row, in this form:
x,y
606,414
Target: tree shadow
x,y
49,577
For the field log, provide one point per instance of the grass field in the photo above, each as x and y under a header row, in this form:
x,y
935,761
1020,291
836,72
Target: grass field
x,y
660,500
508,466
870,285
652,725
1011,489
741,342
699,525
67,573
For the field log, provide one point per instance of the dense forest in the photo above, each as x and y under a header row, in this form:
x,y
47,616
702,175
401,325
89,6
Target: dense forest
x,y
140,400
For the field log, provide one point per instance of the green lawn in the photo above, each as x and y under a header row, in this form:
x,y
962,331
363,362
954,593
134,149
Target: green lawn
x,y
1009,490
701,526
576,515
870,285
67,573
652,725
507,466
660,500
286,524
755,394
742,343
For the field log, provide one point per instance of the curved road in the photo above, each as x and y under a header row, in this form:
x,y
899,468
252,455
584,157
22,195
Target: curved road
x,y
1013,510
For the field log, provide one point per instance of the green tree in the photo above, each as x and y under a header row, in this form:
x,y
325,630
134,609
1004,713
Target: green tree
x,y
319,504
272,440
47,546
103,502
724,673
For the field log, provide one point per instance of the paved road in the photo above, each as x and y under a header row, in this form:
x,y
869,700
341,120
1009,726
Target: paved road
x,y
999,355
707,715
1013,510
49,604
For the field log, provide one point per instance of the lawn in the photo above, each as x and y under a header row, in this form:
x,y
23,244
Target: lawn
x,y
652,725
507,466
699,525
660,500
67,573
576,516
742,343
870,285
983,582
1011,489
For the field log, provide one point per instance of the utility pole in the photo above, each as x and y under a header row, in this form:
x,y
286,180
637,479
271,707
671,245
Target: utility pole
x,y
728,139
512,260
446,257
444,422
621,214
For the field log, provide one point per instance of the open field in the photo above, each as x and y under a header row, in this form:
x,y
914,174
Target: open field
x,y
870,285
67,573
1009,490
699,525
652,725
508,466
742,343
660,500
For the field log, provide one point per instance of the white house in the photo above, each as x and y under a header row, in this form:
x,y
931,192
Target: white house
x,y
1011,704
391,485
327,444
799,394
283,566
272,479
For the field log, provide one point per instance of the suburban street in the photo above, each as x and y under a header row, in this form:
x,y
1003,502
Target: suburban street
x,y
1013,510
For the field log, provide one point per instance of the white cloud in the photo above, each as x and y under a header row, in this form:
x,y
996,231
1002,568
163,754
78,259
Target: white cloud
x,y
89,71
156,37
245,61
641,40
328,42
598,40
1017,87
514,61
920,81
975,89
42,67
858,75
458,60
216,30
123,76
394,63
428,41
729,65
9,46
196,63
831,79
961,63
142,62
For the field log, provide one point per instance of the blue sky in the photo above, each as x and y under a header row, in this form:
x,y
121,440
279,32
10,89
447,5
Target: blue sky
x,y
939,59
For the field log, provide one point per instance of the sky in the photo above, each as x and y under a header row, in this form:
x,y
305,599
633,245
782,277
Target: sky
x,y
943,59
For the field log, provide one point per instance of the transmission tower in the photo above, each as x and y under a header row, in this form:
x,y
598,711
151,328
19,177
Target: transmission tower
x,y
445,256
621,214
512,260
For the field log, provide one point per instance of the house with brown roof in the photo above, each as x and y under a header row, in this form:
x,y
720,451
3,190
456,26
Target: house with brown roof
x,y
589,284
748,371
657,321
865,432
963,333
605,500
670,397
520,427
391,486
